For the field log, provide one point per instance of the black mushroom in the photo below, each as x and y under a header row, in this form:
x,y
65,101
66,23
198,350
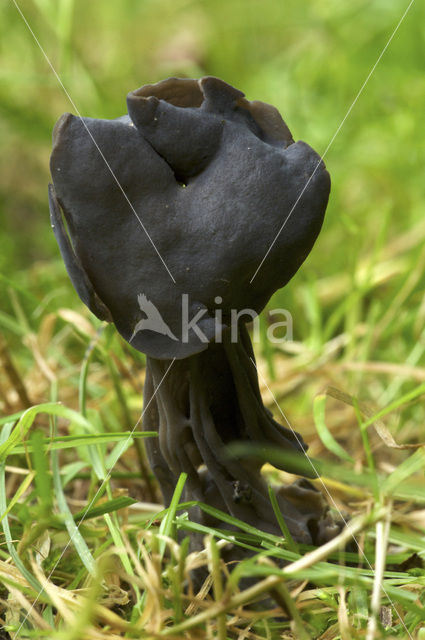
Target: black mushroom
x,y
170,212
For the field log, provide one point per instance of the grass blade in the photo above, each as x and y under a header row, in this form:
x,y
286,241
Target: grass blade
x,y
291,544
325,435
27,419
5,433
76,538
106,507
168,527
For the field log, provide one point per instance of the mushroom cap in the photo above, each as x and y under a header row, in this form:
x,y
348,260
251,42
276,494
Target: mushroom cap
x,y
171,209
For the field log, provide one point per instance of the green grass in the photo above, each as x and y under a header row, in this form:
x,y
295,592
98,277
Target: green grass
x,y
86,549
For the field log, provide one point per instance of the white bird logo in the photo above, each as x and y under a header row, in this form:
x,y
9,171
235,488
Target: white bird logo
x,y
153,321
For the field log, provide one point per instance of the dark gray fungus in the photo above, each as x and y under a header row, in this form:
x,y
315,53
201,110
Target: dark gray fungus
x,y
169,212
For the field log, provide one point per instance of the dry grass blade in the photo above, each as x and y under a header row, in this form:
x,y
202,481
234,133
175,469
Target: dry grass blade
x,y
382,532
30,611
367,411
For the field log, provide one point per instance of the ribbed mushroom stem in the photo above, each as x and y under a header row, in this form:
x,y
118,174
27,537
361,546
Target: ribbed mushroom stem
x,y
199,405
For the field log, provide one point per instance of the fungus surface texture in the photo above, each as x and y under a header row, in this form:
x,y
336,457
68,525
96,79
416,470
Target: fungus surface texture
x,y
169,212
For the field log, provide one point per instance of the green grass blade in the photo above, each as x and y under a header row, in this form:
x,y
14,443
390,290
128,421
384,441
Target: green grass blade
x,y
319,413
43,480
413,464
291,544
76,538
225,517
106,507
187,525
119,544
69,442
168,527
23,487
407,397
25,422
5,433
